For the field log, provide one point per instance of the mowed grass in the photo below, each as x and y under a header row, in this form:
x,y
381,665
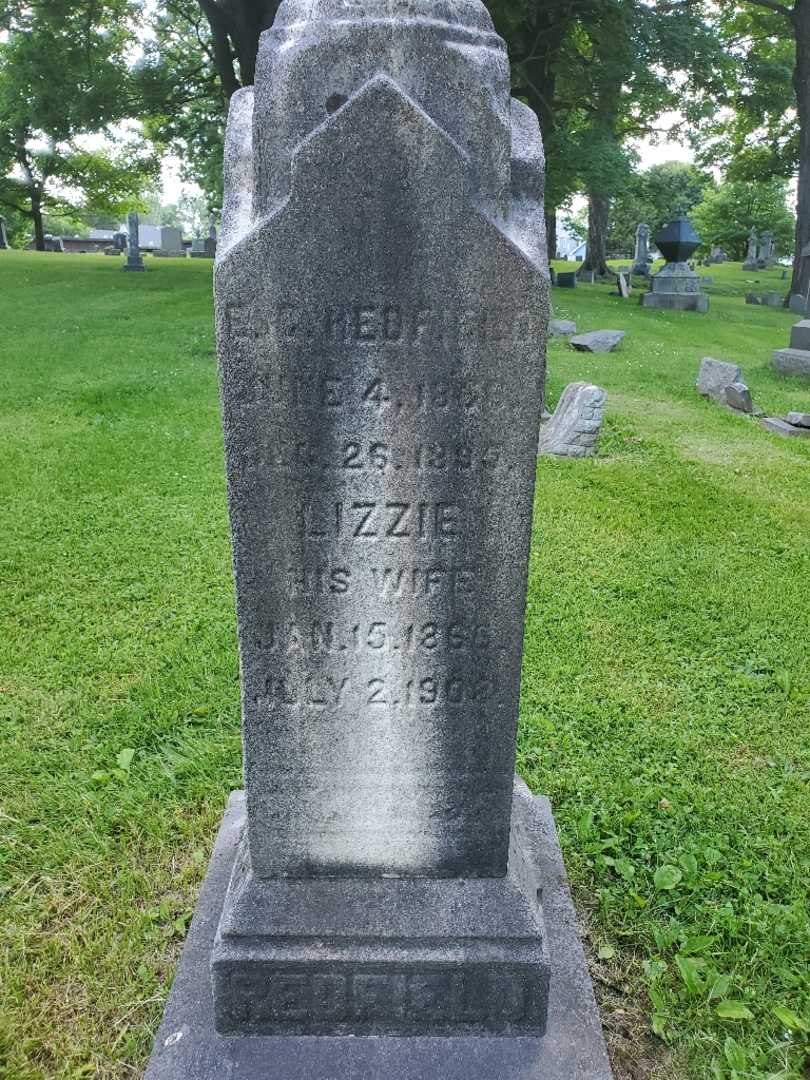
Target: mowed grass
x,y
666,686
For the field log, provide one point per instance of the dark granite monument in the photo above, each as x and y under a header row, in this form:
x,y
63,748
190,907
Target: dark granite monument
x,y
676,285
134,259
382,303
3,235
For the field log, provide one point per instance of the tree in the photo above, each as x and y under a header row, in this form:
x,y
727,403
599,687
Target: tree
x,y
726,215
764,130
183,102
631,52
63,76
655,196
235,27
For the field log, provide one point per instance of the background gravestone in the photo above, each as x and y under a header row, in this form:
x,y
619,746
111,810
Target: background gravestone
x,y
676,285
381,315
750,261
3,236
134,260
641,264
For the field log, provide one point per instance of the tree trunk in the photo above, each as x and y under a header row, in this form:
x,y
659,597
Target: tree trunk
x,y
551,232
595,257
39,224
801,82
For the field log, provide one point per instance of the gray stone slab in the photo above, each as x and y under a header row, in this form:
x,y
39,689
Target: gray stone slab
x,y
737,396
792,362
187,1046
714,376
561,327
782,427
800,335
573,430
676,301
797,304
566,279
598,341
798,419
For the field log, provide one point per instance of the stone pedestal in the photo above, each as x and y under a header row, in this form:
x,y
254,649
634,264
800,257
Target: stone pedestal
x,y
188,1046
795,360
675,287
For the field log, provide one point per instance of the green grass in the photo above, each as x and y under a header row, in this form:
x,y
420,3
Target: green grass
x,y
666,688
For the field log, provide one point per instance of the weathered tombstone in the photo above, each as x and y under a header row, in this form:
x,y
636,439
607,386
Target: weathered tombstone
x,y
573,430
561,327
622,286
795,359
641,262
676,285
54,244
714,376
379,320
205,247
766,256
783,427
597,341
750,262
3,235
170,243
566,279
798,304
134,260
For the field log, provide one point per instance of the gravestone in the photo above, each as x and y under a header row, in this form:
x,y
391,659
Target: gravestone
x,y
676,285
573,430
641,262
561,327
597,341
3,235
795,359
205,247
380,313
766,255
622,287
714,376
798,304
750,261
54,243
134,261
170,243
566,279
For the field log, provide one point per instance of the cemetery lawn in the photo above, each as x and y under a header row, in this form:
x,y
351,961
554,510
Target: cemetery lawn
x,y
666,683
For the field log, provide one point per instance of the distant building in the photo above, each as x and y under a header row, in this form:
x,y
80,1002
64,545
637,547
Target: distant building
x,y
569,246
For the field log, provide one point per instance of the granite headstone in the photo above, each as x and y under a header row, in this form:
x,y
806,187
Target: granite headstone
x,y
381,303
641,262
134,260
3,235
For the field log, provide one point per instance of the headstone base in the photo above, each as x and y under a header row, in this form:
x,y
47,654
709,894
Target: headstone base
x,y
189,1048
676,301
359,955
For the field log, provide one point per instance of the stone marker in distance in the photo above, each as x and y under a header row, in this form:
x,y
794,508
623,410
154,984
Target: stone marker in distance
x,y
3,236
380,313
597,341
134,259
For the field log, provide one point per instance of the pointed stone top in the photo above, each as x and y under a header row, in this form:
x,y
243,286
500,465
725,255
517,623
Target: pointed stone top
x,y
470,14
